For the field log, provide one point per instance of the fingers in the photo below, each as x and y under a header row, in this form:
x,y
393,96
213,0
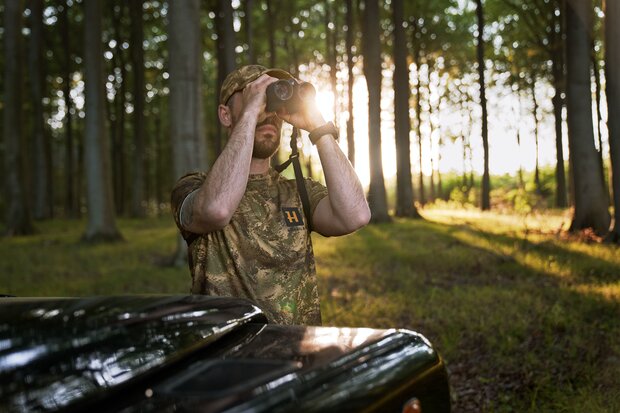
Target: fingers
x,y
254,93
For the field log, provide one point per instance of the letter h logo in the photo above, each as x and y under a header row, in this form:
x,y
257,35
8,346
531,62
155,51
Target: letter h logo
x,y
292,217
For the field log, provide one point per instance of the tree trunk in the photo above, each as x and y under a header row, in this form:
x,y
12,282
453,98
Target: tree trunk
x,y
349,40
137,63
599,117
485,201
248,8
535,115
225,55
372,70
557,70
186,117
612,90
331,53
101,224
431,186
402,125
560,174
18,217
71,199
418,108
41,179
597,97
440,193
271,34
119,165
590,200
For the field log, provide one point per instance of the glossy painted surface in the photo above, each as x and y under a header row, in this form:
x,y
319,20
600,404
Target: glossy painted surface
x,y
56,352
207,354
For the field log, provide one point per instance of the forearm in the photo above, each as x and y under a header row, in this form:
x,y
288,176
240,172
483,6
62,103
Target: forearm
x,y
347,202
212,205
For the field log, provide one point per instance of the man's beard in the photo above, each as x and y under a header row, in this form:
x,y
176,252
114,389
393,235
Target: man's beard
x,y
266,147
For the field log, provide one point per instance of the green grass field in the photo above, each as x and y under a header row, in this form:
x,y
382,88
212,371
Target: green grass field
x,y
527,319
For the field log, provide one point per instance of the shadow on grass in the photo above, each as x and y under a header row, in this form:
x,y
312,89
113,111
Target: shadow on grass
x,y
516,336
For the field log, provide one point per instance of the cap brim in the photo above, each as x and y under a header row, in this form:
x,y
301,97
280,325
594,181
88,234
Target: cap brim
x,y
279,73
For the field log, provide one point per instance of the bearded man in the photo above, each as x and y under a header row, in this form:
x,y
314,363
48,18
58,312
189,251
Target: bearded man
x,y
244,222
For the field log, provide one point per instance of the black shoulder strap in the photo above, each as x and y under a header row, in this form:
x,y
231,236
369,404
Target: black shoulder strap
x,y
299,177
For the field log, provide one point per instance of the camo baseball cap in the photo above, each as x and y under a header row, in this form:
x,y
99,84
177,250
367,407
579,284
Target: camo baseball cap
x,y
240,78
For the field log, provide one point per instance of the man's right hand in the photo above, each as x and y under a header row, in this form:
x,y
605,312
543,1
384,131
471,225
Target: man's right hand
x,y
254,96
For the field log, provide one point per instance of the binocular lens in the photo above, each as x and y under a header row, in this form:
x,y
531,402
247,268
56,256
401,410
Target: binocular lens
x,y
283,90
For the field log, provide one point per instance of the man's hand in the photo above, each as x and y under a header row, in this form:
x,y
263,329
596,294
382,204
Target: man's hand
x,y
254,96
308,118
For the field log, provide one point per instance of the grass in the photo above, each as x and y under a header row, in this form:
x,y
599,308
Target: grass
x,y
526,318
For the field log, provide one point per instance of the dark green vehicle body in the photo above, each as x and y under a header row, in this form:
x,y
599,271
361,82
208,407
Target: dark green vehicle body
x,y
203,354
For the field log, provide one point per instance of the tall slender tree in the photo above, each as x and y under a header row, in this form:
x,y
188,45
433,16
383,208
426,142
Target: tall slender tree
x,y
331,53
18,216
41,182
189,152
417,60
271,34
101,224
225,53
590,200
248,9
485,201
402,125
372,70
137,67
117,122
612,90
71,199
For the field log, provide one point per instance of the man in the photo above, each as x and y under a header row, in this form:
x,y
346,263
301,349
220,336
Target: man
x,y
244,223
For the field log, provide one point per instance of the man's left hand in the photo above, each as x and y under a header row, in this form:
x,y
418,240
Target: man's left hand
x,y
308,118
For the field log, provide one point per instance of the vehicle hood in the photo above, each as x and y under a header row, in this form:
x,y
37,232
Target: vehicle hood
x,y
66,350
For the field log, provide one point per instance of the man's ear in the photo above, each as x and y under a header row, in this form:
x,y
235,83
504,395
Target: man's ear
x,y
225,115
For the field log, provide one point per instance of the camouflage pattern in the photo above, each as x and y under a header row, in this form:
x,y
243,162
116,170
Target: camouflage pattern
x,y
264,253
240,78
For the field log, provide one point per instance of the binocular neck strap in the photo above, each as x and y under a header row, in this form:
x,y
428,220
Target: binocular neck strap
x,y
299,177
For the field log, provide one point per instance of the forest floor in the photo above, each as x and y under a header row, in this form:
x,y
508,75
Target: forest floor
x,y
526,318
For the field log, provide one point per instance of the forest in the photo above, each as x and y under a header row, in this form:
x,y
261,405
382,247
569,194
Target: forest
x,y
484,130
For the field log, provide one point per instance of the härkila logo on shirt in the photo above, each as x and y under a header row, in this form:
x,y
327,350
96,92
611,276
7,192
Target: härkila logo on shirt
x,y
292,217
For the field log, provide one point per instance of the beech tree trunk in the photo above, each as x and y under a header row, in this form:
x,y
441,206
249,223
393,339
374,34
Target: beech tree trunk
x,y
485,201
590,200
557,70
72,208
372,70
18,216
41,182
101,224
189,152
137,63
612,90
225,55
402,124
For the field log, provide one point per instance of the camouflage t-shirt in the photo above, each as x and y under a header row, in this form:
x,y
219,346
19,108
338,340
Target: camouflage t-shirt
x,y
264,253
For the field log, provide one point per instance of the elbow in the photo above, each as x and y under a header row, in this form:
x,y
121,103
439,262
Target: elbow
x,y
215,218
358,220
363,218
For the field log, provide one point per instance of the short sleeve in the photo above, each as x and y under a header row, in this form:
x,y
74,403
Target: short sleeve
x,y
316,192
183,187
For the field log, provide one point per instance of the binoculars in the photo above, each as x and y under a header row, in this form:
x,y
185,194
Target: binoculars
x,y
289,94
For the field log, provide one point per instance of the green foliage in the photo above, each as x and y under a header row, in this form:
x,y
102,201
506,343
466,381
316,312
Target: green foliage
x,y
507,194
